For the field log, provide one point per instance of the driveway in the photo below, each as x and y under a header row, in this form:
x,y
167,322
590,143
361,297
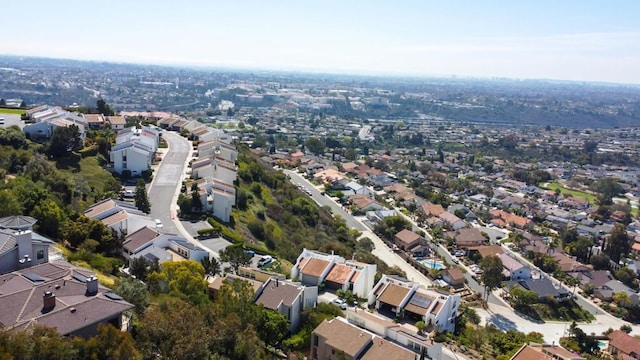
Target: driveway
x,y
165,187
167,178
12,119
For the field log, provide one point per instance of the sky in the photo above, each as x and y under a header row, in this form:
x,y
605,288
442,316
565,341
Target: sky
x,y
579,40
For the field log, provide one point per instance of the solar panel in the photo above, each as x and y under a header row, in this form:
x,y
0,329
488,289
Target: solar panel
x,y
34,277
421,301
113,296
80,277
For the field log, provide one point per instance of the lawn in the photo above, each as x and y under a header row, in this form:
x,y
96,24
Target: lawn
x,y
576,193
95,174
12,111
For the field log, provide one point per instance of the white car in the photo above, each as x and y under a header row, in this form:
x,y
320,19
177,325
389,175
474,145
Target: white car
x,y
158,224
340,303
265,260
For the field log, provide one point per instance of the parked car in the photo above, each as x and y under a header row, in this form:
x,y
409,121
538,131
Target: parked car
x,y
340,303
265,260
159,224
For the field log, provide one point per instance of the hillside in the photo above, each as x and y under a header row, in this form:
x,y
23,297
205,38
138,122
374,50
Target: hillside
x,y
273,215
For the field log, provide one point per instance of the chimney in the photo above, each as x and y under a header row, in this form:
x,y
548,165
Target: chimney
x,y
92,285
48,301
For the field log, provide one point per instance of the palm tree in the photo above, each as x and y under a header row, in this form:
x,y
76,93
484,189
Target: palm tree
x,y
551,247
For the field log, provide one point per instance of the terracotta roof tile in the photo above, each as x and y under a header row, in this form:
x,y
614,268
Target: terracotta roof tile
x,y
315,267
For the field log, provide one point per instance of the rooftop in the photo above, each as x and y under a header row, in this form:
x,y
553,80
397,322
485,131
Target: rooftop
x,y
343,336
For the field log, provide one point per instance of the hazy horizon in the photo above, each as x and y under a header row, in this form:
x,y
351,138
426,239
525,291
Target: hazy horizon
x,y
586,41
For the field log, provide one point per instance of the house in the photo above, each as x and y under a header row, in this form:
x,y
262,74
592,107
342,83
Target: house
x,y
358,189
596,278
20,247
404,298
252,273
61,296
467,237
364,203
623,345
430,209
568,264
131,156
95,121
533,351
314,268
404,335
378,215
512,220
288,299
152,245
219,148
46,119
544,287
134,150
337,338
406,239
484,250
612,287
216,197
214,286
216,168
452,221
119,216
117,122
453,276
513,269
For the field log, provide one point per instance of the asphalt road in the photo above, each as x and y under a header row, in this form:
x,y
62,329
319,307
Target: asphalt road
x,y
167,177
323,200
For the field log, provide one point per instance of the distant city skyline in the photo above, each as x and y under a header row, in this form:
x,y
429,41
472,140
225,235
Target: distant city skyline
x,y
561,40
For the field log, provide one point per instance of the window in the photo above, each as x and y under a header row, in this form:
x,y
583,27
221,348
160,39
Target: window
x,y
40,255
315,340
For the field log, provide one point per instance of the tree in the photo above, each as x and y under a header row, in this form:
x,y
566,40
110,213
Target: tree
x,y
134,291
63,140
600,261
110,343
103,108
618,244
627,277
174,330
421,326
140,268
522,297
184,279
235,256
272,327
626,328
211,266
315,145
607,188
492,273
141,198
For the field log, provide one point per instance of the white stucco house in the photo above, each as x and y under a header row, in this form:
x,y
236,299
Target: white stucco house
x,y
407,299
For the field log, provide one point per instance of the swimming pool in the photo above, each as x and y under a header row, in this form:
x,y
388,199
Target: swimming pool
x,y
431,264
